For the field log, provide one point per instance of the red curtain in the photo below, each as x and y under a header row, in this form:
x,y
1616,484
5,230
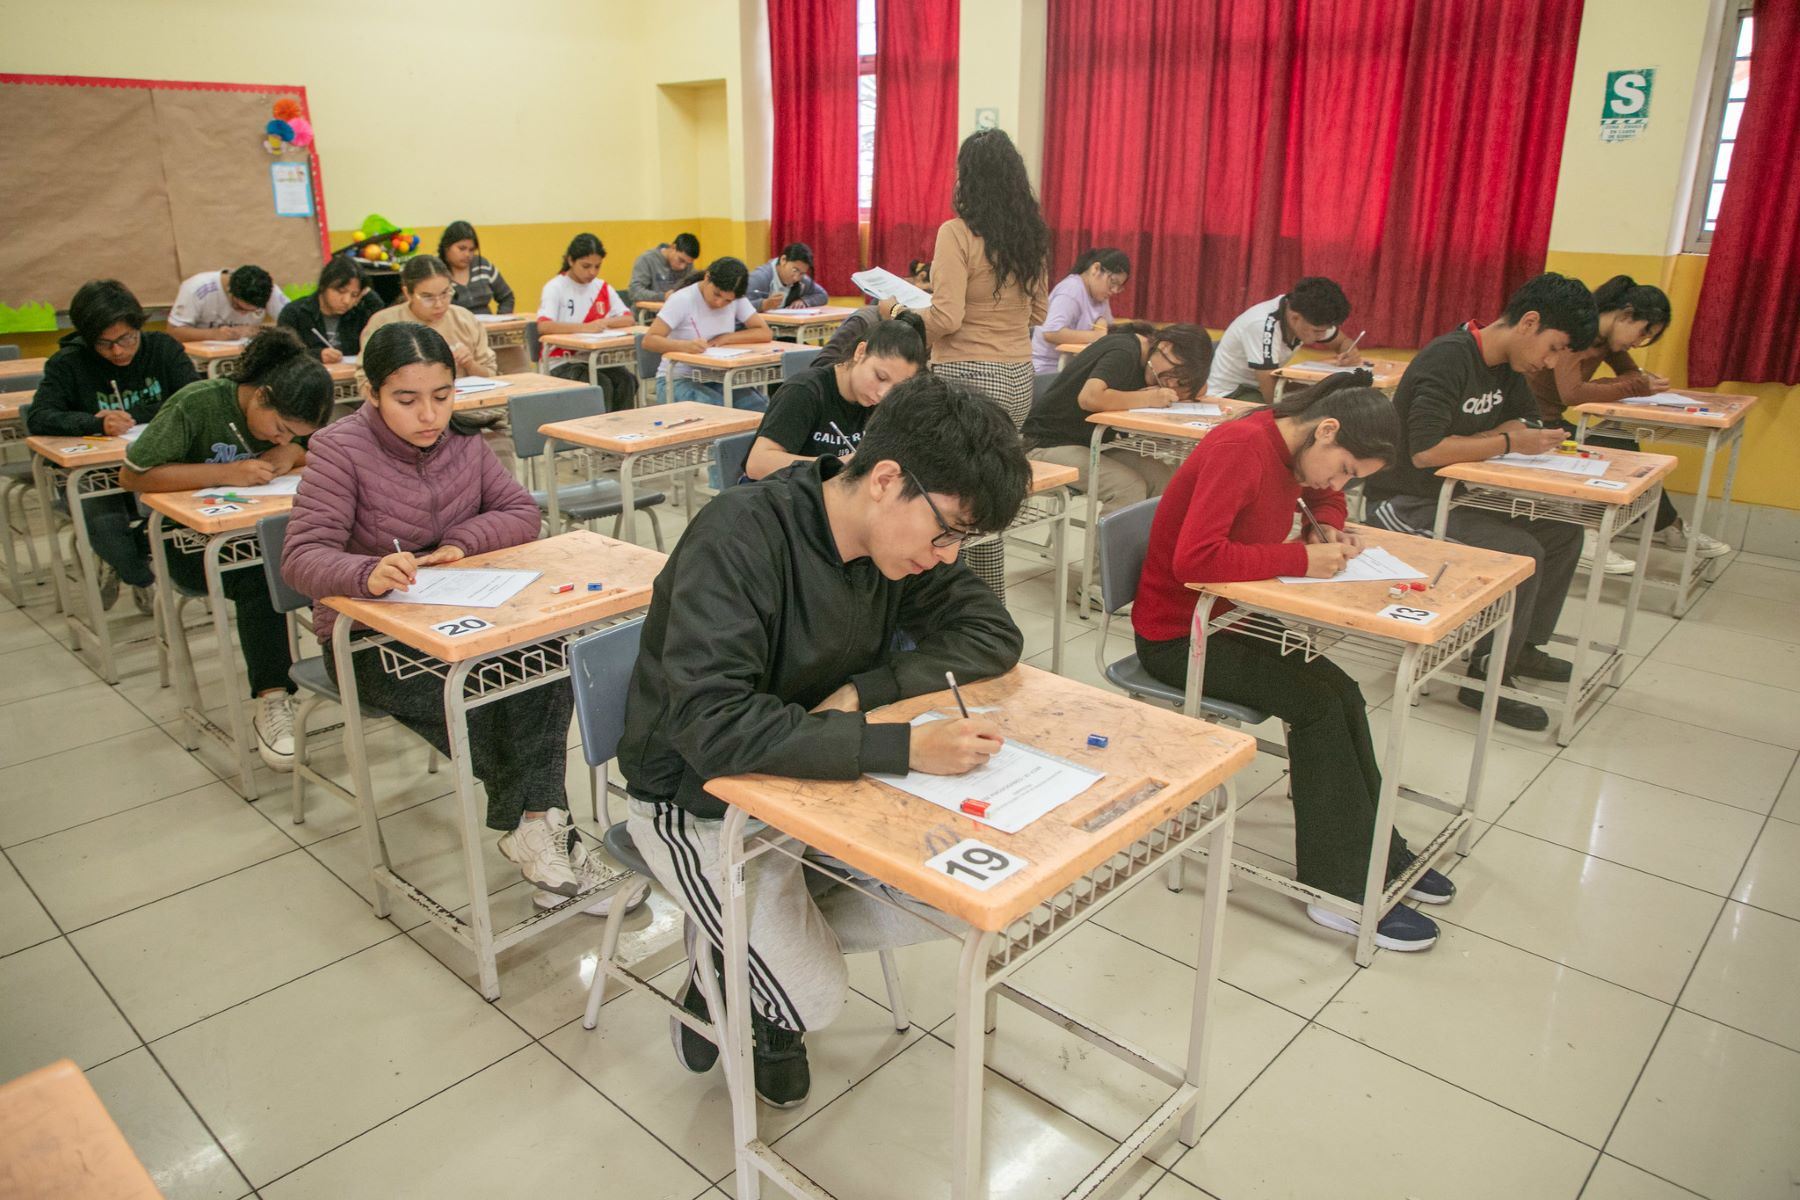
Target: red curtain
x,y
915,127
812,68
1406,148
1747,326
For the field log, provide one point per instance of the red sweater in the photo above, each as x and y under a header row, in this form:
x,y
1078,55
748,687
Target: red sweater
x,y
1225,518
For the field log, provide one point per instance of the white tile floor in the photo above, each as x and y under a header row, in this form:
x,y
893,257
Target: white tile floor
x,y
1611,1013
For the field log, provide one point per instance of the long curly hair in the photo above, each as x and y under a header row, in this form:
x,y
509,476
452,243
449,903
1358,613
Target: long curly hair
x,y
994,197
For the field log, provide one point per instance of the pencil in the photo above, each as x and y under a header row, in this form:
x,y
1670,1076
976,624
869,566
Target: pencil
x,y
1439,577
239,435
957,692
322,340
1317,529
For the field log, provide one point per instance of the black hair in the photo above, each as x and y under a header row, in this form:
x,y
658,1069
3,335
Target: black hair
x,y
338,270
99,304
798,252
994,198
419,268
1191,349
896,338
580,246
1642,301
919,266
729,274
1368,426
297,384
688,244
252,285
1112,261
404,343
954,441
1319,300
454,232
1561,303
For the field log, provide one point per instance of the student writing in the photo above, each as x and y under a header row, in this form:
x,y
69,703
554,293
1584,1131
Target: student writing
x,y
480,287
823,410
426,293
856,326
1261,339
577,300
704,314
1080,306
330,322
663,268
786,281
224,305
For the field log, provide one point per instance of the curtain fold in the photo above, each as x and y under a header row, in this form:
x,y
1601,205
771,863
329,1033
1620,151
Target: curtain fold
x,y
1406,148
916,65
812,69
1747,324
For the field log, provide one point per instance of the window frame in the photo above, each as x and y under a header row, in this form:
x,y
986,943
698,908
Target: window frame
x,y
865,67
1698,239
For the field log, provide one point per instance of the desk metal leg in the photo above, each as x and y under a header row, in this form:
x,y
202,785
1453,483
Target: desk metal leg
x,y
971,1060
550,487
1584,632
1717,566
1393,759
1206,967
237,681
98,629
481,921
734,1029
628,526
1484,725
1687,583
174,636
1646,535
1090,540
357,750
46,490
1059,537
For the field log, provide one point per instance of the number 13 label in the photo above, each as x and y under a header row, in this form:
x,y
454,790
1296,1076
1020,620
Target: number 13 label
x,y
977,864
1412,616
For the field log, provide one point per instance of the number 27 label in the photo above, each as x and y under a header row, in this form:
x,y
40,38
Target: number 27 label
x,y
977,864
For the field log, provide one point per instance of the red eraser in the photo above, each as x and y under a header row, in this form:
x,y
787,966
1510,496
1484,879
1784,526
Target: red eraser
x,y
564,587
975,808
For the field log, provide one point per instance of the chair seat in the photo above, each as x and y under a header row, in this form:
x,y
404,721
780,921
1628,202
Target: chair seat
x,y
596,498
1129,674
310,674
618,843
19,472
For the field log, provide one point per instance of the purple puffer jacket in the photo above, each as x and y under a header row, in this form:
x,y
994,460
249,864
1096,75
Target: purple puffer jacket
x,y
365,486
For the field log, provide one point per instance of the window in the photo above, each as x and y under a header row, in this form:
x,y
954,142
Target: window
x,y
1730,88
865,106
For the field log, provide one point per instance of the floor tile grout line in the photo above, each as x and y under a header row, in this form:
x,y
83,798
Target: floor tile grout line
x,y
1631,867
180,891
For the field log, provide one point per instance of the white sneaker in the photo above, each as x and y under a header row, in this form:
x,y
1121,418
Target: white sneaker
x,y
1675,537
1616,564
539,848
275,731
594,873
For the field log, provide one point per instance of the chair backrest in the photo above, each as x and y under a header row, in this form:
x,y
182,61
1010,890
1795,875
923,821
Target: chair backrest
x,y
648,362
1039,385
530,410
22,383
795,361
1123,539
271,535
600,670
9,352
733,452
532,346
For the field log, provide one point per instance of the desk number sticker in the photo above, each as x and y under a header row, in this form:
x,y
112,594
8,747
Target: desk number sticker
x,y
632,437
219,510
1616,485
461,625
977,864
1412,616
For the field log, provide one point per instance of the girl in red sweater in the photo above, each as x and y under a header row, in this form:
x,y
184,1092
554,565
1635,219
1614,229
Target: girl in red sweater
x,y
1227,517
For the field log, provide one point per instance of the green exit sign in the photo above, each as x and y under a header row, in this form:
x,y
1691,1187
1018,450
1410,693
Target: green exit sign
x,y
1625,109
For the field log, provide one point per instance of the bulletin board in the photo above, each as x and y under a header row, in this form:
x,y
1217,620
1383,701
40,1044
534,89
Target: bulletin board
x,y
147,181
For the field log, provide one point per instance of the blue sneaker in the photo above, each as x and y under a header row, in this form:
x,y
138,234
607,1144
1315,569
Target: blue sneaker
x,y
1403,929
1432,888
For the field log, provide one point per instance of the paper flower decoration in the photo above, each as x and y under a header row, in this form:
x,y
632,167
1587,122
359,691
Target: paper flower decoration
x,y
303,133
280,129
273,144
286,109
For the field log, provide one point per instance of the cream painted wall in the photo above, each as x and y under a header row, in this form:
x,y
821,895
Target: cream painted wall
x,y
1002,66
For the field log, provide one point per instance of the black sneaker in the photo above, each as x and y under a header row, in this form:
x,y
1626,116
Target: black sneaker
x,y
1431,887
1535,664
1516,713
782,1077
692,1050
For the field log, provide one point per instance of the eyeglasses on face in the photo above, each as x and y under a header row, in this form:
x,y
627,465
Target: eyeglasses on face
x,y
950,536
125,341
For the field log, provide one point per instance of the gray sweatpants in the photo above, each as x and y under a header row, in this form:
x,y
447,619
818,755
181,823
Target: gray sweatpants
x,y
802,922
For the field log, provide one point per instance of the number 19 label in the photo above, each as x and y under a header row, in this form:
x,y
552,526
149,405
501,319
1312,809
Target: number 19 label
x,y
977,864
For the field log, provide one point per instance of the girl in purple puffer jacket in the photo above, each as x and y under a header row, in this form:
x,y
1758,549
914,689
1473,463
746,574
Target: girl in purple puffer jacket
x,y
403,469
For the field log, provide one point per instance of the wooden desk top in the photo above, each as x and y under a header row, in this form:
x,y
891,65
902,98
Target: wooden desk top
x,y
57,1139
503,322
183,508
538,612
1045,476
1474,579
9,409
884,831
1636,470
790,317
512,385
210,350
640,430
1723,411
1181,425
341,372
16,368
649,306
609,339
93,451
1387,371
762,354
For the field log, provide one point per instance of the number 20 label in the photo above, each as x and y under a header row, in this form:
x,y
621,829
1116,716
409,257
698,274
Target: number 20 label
x,y
977,864
460,626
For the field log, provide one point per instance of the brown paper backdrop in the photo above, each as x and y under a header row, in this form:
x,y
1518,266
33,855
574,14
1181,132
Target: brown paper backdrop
x,y
144,184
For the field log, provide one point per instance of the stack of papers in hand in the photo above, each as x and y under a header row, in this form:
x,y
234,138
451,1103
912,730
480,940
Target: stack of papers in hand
x,y
885,285
1568,464
1373,565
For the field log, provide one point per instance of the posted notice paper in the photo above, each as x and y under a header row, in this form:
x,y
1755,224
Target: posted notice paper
x,y
463,587
1019,784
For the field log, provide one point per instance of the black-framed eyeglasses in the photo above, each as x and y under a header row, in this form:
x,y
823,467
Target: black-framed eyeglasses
x,y
125,341
950,536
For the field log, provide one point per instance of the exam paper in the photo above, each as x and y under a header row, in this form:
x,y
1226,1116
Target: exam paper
x,y
464,587
885,285
1568,464
731,351
1373,565
475,383
1671,400
281,485
133,434
1019,783
1184,410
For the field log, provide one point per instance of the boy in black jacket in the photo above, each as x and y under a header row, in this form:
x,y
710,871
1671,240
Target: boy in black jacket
x,y
108,376
771,631
1465,399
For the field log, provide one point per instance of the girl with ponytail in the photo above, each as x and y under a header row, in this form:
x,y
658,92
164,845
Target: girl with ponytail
x,y
1227,517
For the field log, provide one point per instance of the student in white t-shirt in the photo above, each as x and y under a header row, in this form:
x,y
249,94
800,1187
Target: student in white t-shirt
x,y
224,305
1264,336
577,300
701,315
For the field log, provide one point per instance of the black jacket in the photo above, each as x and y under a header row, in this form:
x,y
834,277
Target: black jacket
x,y
79,385
304,318
755,619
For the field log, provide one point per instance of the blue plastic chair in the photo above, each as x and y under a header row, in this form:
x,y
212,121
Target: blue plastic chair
x,y
579,503
733,453
795,361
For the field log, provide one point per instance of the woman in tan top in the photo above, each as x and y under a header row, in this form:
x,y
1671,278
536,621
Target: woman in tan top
x,y
427,294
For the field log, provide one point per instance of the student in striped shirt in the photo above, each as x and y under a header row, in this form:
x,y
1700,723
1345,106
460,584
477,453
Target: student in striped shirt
x,y
478,282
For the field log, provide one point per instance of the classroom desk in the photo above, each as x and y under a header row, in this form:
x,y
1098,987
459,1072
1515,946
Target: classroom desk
x,y
499,399
57,1139
760,368
506,338
344,386
1720,426
1474,596
640,443
1046,505
807,326
608,348
11,428
482,657
223,533
21,375
1164,792
215,358
1308,371
645,310
82,468
1632,484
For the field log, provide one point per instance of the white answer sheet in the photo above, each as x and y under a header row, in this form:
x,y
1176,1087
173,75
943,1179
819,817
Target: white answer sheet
x,y
463,587
1019,784
476,383
885,285
281,485
1568,464
1184,410
1373,565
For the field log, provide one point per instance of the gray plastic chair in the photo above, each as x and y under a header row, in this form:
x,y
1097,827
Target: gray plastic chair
x,y
17,485
1040,384
733,453
795,361
648,364
579,503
